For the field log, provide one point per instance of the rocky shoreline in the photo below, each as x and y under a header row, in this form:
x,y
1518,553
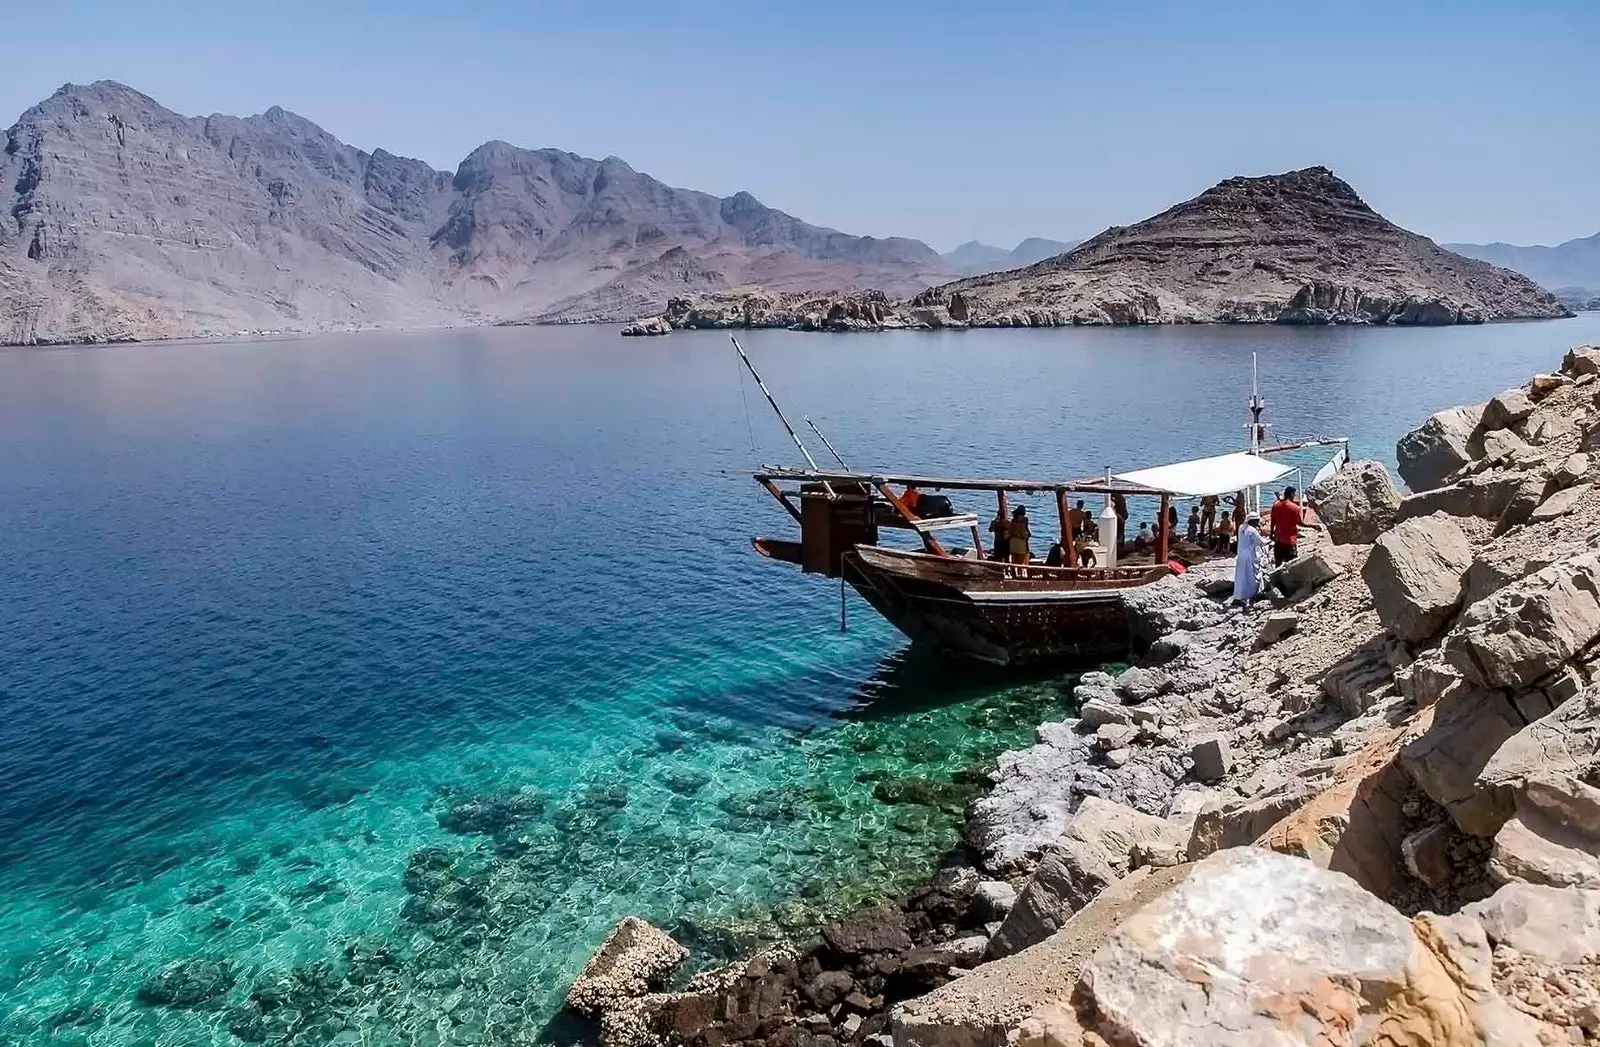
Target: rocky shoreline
x,y
1365,811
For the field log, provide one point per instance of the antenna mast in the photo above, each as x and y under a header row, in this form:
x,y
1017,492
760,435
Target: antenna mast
x,y
779,411
1258,404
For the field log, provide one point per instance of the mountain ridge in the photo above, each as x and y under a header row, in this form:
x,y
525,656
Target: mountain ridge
x,y
1571,268
974,258
128,220
1300,247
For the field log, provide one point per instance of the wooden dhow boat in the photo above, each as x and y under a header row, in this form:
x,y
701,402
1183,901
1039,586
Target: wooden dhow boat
x,y
953,596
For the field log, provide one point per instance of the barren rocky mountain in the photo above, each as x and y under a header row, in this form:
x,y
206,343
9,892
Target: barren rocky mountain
x,y
1296,247
126,220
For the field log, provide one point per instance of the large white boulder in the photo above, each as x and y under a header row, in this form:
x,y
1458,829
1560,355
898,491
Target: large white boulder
x,y
1357,503
1253,948
1438,447
1415,572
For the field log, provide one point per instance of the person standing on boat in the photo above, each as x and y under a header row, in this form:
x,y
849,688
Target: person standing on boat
x,y
1019,533
1194,523
1238,511
912,498
1119,505
1208,514
1000,536
1247,568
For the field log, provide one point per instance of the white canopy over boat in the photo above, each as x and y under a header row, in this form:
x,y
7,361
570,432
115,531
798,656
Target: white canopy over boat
x,y
1217,475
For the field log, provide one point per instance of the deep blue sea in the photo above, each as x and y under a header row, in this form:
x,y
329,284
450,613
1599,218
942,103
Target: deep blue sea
x,y
352,687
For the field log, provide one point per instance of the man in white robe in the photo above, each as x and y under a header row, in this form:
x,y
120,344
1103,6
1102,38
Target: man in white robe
x,y
1247,568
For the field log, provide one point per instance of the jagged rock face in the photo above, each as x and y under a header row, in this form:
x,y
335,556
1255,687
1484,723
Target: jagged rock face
x,y
1357,503
126,220
1299,248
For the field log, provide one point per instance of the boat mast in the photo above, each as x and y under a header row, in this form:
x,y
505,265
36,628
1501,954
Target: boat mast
x,y
779,411
1258,404
1258,428
836,456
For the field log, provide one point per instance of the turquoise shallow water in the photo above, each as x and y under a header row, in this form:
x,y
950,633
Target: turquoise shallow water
x,y
355,686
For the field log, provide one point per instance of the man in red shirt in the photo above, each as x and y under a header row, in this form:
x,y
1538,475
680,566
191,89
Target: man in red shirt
x,y
1287,516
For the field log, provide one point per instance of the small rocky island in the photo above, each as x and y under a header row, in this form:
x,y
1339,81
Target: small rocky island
x,y
1294,248
1365,811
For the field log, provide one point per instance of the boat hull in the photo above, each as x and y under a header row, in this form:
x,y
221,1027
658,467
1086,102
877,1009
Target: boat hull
x,y
995,614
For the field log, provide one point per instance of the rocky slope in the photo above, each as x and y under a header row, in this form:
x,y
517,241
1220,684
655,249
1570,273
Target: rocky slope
x,y
1363,812
1296,248
125,220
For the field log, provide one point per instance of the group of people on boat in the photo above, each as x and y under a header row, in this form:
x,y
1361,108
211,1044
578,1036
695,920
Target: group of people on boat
x,y
1010,537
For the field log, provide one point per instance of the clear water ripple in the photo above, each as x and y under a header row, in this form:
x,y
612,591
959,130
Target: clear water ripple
x,y
359,684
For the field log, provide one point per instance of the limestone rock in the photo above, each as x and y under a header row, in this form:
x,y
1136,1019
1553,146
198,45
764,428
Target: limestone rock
x,y
634,959
1275,627
1357,503
1095,851
1542,385
1426,854
1534,847
994,899
1252,945
1529,628
1069,877
1415,573
1014,997
1530,492
1139,684
1306,572
1560,504
1565,742
1097,712
1503,445
1232,821
1450,744
1507,409
1360,679
1486,496
1115,735
1438,447
1212,756
1562,925
655,325
1572,470
1581,360
1353,826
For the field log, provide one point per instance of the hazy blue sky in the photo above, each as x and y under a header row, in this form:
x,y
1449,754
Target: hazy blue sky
x,y
997,120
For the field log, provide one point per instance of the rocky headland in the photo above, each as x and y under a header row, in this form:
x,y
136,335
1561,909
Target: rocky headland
x,y
1364,811
1294,248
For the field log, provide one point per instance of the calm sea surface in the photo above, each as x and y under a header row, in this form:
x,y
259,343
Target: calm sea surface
x,y
352,687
